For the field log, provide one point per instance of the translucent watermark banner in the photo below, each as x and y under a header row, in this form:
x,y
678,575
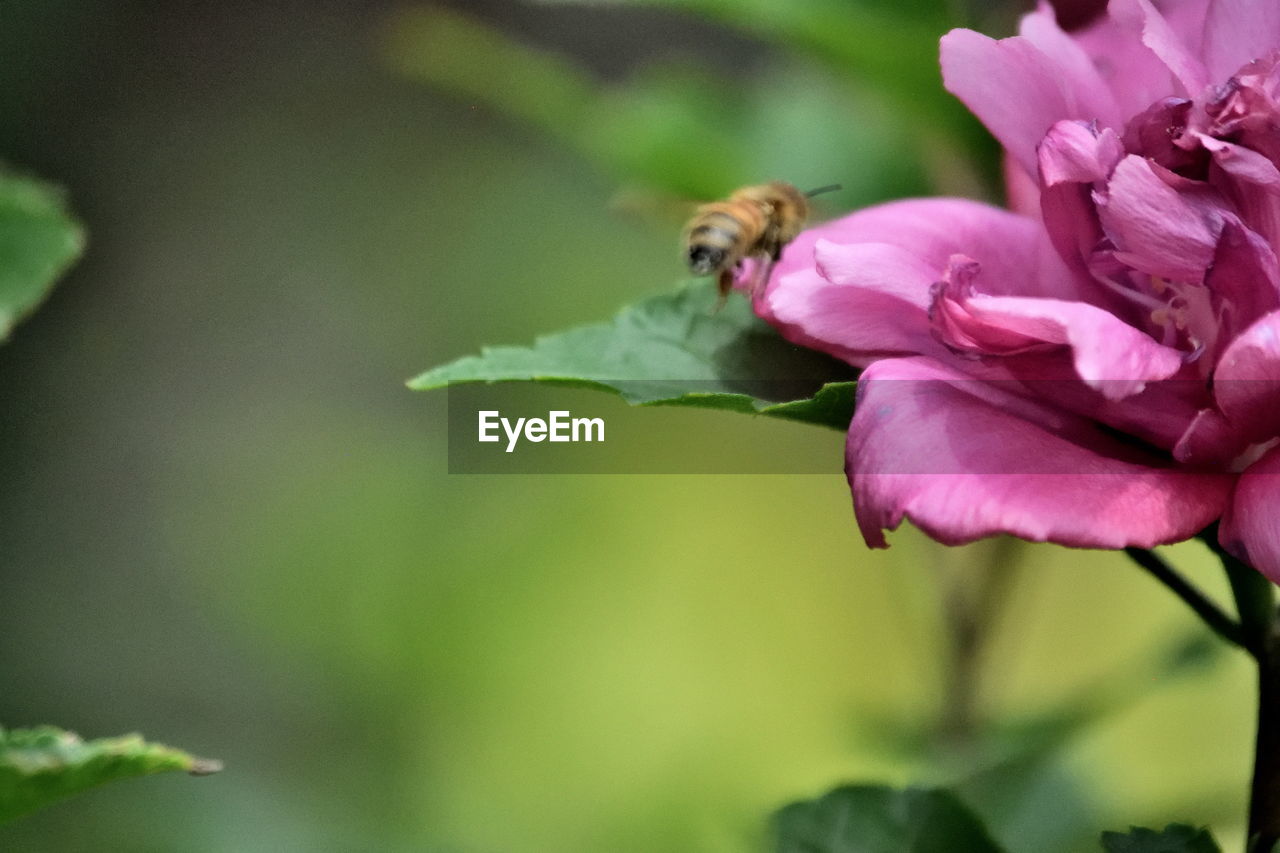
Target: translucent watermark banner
x,y
987,427
522,428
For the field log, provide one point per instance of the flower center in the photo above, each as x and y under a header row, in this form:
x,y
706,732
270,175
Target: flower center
x,y
1189,317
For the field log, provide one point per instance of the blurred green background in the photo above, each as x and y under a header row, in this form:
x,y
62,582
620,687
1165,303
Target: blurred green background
x,y
227,524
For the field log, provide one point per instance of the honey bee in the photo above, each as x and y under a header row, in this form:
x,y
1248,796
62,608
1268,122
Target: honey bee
x,y
754,222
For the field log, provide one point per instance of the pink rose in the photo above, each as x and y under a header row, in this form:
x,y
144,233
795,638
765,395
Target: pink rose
x,y
1098,366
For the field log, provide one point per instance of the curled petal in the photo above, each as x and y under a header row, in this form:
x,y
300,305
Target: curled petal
x,y
965,460
1075,152
1157,229
1243,163
1111,356
1073,158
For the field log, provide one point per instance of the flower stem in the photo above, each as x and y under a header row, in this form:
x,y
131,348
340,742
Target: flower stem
x,y
1254,595
1255,603
971,606
1212,615
1264,793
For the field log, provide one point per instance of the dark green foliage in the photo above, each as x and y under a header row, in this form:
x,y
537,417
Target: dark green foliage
x,y
1174,838
674,349
878,819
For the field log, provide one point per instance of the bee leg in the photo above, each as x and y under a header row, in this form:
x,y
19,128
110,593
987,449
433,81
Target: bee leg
x,y
724,283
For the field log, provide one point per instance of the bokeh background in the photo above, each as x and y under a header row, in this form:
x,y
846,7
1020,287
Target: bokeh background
x,y
224,521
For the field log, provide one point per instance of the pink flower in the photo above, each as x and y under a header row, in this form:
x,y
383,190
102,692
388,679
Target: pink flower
x,y
1100,365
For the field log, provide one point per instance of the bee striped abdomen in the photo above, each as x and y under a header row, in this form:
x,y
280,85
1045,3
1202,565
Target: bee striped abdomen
x,y
721,234
755,222
713,239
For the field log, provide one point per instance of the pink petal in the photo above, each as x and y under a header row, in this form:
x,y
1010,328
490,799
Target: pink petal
x,y
1237,32
1073,158
1077,67
933,229
1246,383
1245,277
1251,526
1157,229
1210,441
1016,89
1243,163
1159,36
1075,152
1136,77
856,322
1008,246
1111,356
1157,134
962,461
881,267
1021,190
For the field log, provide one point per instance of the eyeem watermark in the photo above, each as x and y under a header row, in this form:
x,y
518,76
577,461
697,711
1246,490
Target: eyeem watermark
x,y
559,426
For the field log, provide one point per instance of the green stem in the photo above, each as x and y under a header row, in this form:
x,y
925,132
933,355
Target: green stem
x,y
1255,603
971,605
1254,594
1212,615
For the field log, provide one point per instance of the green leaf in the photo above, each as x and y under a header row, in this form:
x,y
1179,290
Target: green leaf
x,y
1174,838
44,764
878,819
38,241
676,350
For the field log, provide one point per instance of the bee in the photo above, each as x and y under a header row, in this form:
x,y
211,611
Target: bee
x,y
754,222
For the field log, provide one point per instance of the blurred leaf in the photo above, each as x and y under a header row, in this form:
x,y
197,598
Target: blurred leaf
x,y
1035,804
1174,838
464,56
673,350
682,129
38,241
878,819
893,46
673,127
44,764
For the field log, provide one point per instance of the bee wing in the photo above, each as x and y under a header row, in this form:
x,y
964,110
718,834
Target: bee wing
x,y
647,204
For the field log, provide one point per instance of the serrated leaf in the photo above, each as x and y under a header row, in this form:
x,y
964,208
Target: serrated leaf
x,y
1174,838
676,350
41,765
878,819
38,240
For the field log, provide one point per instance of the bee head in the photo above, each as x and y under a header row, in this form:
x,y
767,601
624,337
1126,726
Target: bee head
x,y
704,260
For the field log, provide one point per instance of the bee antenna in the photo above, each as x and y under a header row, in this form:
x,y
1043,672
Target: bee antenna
x,y
829,188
